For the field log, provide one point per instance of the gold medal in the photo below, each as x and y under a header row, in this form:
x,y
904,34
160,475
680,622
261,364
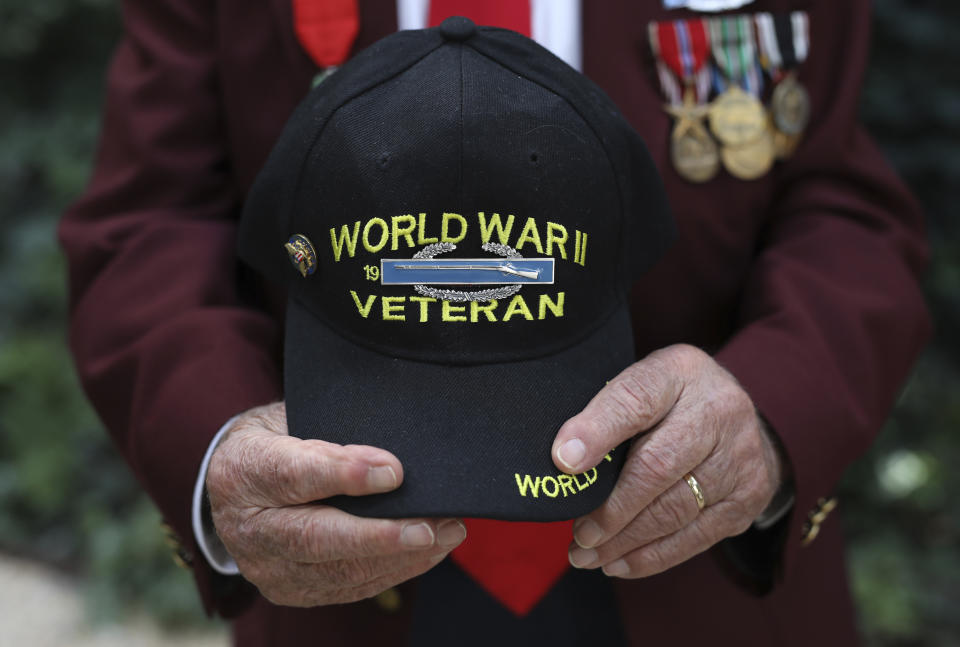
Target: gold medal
x,y
784,145
692,150
752,160
790,105
695,156
737,118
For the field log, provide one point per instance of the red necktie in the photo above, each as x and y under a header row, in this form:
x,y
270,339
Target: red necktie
x,y
517,563
326,29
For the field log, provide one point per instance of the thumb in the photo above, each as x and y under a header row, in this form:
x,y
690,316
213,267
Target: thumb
x,y
632,402
257,467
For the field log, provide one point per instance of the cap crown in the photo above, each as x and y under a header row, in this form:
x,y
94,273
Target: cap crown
x,y
421,143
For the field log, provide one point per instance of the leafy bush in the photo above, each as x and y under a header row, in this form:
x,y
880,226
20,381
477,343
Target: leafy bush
x,y
65,496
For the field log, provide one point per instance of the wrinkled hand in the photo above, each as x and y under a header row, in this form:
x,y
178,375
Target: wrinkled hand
x,y
262,483
692,417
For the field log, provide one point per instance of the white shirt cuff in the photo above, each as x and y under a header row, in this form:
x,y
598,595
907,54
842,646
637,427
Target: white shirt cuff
x,y
203,531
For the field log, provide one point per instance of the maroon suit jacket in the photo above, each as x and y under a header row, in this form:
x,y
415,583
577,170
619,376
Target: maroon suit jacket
x,y
803,284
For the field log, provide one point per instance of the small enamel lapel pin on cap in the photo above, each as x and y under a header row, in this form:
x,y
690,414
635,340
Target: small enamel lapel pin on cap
x,y
302,255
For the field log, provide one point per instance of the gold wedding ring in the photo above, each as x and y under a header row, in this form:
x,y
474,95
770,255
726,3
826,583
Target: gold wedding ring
x,y
697,490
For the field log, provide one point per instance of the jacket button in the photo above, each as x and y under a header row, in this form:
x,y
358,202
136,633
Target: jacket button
x,y
816,517
389,600
181,557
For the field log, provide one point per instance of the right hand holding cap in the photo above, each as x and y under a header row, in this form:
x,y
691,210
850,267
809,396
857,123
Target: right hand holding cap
x,y
263,485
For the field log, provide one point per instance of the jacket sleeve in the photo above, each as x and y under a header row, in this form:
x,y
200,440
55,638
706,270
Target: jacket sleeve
x,y
831,316
165,347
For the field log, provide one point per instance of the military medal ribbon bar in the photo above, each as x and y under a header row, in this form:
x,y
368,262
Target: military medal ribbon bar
x,y
734,52
784,40
682,48
737,117
728,56
784,43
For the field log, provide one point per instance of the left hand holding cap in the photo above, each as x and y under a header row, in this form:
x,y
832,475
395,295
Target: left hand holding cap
x,y
695,427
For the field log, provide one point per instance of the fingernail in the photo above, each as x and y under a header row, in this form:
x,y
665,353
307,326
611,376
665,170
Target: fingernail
x,y
582,557
451,533
417,535
616,569
571,453
587,534
381,478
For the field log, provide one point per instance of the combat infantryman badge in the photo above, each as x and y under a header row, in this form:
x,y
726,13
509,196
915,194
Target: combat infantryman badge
x,y
511,273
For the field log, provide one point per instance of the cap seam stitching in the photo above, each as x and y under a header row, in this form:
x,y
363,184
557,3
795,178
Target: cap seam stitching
x,y
460,178
364,90
606,150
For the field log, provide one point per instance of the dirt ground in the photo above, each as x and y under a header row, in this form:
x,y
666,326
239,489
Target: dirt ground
x,y
42,608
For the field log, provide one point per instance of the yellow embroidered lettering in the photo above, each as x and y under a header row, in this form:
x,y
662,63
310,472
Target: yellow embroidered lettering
x,y
580,248
486,232
608,458
421,231
476,309
363,308
445,228
518,306
579,485
560,238
587,475
528,484
423,301
390,307
530,235
566,483
344,239
450,312
553,485
555,307
556,486
384,235
396,230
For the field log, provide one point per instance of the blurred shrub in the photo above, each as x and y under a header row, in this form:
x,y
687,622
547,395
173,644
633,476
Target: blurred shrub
x,y
900,507
66,498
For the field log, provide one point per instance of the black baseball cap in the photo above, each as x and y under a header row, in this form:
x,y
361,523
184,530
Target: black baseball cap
x,y
457,216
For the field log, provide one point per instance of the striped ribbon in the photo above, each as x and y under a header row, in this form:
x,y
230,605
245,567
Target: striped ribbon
x,y
734,51
784,39
681,48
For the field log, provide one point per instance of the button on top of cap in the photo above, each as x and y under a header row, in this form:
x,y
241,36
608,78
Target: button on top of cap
x,y
457,28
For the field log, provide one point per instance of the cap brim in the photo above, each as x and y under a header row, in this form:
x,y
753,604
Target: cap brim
x,y
474,441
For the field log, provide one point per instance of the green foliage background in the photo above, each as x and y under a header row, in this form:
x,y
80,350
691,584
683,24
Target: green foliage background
x,y
67,499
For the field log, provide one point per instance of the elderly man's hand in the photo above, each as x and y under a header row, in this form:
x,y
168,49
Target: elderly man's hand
x,y
690,416
262,485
